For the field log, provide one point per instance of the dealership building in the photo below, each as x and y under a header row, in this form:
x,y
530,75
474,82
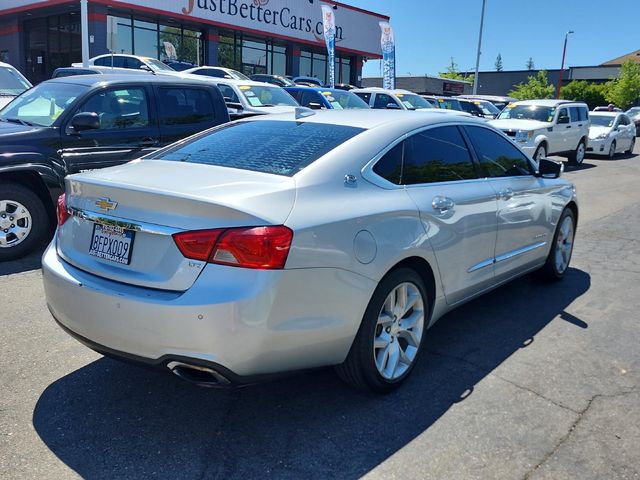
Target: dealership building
x,y
283,37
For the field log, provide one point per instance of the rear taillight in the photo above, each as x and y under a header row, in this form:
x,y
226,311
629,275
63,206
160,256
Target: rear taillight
x,y
253,247
61,209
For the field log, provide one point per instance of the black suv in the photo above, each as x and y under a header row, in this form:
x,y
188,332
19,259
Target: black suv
x,y
77,123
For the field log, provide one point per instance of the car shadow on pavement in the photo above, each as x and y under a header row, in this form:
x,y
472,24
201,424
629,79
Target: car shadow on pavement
x,y
24,264
112,420
574,168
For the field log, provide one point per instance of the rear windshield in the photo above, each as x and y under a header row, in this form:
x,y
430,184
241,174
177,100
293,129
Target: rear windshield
x,y
269,146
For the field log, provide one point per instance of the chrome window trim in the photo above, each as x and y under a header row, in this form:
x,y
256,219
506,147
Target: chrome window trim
x,y
506,256
105,219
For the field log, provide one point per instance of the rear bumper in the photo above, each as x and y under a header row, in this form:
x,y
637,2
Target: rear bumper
x,y
243,323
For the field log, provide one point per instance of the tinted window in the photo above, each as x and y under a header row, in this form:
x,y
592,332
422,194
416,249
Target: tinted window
x,y
311,97
364,96
118,61
228,93
497,156
102,61
436,155
389,166
563,116
117,109
180,106
576,114
269,146
212,72
584,113
382,100
132,63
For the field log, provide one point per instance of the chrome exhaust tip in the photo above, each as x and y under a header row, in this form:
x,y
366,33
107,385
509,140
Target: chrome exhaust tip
x,y
202,376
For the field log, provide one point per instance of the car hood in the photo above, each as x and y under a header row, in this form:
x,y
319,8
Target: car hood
x,y
512,124
9,129
598,130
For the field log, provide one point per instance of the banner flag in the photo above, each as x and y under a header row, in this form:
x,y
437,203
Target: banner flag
x,y
388,43
329,23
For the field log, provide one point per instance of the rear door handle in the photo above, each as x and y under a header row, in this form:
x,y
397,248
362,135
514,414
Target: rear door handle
x,y
505,194
149,142
442,204
568,126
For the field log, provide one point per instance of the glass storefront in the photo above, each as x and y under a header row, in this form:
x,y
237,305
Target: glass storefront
x,y
165,42
313,64
251,55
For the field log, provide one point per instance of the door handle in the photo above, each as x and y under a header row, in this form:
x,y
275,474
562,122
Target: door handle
x,y
505,194
442,204
149,142
568,126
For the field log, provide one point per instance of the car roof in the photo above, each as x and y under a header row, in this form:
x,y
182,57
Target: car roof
x,y
383,90
116,79
547,102
495,98
370,119
235,81
315,89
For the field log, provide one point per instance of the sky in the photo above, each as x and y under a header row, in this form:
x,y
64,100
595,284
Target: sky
x,y
430,32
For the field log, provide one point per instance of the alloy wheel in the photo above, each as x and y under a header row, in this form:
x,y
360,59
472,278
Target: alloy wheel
x,y
15,223
399,331
564,244
580,151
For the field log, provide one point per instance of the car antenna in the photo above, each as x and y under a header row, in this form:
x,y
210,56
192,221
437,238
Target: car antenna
x,y
303,112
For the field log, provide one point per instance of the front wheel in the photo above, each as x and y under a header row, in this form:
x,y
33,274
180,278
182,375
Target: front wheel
x,y
388,342
541,152
612,150
577,156
559,257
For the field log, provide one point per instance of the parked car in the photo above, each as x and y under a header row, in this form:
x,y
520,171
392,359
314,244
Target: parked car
x,y
180,66
345,86
308,81
217,72
433,101
71,124
611,133
318,98
608,108
12,84
449,103
131,62
547,127
242,253
479,108
498,101
634,115
72,71
274,79
379,98
246,97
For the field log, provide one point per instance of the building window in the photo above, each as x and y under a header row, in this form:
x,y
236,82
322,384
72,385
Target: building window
x,y
251,55
314,64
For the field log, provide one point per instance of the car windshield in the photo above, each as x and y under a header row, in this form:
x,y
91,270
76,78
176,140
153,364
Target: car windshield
x,y
269,146
43,104
528,112
449,103
157,65
602,120
487,108
412,102
342,100
236,74
267,96
11,83
632,112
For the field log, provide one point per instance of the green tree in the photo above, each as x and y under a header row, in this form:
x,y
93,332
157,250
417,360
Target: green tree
x,y
530,64
624,91
498,63
593,94
536,87
454,74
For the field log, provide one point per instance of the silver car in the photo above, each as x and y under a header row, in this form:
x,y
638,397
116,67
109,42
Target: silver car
x,y
301,240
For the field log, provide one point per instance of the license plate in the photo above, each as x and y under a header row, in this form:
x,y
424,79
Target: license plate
x,y
111,243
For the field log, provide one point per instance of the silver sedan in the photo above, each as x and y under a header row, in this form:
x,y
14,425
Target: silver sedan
x,y
302,240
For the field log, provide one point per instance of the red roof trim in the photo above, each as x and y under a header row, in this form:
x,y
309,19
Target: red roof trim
x,y
44,4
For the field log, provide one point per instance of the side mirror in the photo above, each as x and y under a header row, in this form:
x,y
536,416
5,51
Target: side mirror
x,y
392,106
315,106
85,121
549,168
145,67
563,120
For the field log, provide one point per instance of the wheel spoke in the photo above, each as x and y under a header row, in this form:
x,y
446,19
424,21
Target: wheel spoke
x,y
404,358
385,319
3,239
411,320
3,205
401,298
393,360
410,336
390,303
381,342
382,358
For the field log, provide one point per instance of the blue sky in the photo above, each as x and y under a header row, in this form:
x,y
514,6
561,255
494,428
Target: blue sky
x,y
430,32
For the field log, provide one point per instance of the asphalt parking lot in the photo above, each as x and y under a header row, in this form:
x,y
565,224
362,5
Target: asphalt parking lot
x,y
530,381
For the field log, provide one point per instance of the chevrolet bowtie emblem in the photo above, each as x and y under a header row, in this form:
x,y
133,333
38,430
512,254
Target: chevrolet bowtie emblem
x,y
106,204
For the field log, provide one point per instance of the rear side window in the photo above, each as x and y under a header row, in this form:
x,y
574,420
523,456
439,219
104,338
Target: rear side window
x,y
578,114
497,156
183,106
436,155
212,72
106,61
389,166
269,146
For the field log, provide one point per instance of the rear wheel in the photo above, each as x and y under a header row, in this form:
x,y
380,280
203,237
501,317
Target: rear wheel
x,y
631,147
577,156
388,342
612,150
559,257
23,221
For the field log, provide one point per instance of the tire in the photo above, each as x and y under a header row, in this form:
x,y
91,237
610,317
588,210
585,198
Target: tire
x,y
369,366
577,156
553,269
631,147
541,152
23,221
612,150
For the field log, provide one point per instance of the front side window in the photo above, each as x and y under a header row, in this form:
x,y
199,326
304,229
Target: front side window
x,y
267,146
120,108
309,97
184,106
43,104
498,157
364,96
382,100
228,94
563,116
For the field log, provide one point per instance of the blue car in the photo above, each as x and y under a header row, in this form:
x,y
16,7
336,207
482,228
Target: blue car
x,y
319,98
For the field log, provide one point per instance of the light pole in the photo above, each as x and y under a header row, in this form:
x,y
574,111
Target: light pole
x,y
84,32
564,52
475,78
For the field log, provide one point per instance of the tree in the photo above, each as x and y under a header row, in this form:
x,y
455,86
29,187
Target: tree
x,y
593,94
530,64
536,87
498,63
624,91
453,73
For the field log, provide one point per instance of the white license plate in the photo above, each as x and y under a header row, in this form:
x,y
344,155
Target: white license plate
x,y
112,243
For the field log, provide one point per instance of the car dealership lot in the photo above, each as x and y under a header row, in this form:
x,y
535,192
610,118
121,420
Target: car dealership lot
x,y
530,381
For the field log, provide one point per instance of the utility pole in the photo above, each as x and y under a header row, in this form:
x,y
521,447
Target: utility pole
x,y
475,79
564,52
84,31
